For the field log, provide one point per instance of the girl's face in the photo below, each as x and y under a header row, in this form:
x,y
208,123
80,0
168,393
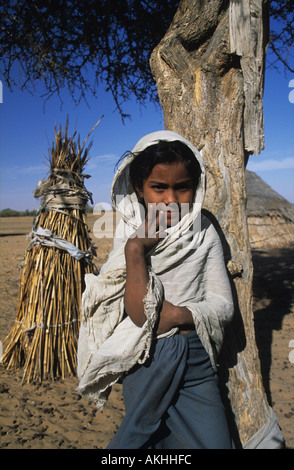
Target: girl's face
x,y
169,185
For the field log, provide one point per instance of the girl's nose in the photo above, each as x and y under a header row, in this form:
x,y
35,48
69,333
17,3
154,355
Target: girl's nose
x,y
170,197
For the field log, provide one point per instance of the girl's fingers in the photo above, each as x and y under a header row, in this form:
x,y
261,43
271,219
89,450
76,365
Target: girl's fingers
x,y
151,221
156,222
149,226
162,225
153,228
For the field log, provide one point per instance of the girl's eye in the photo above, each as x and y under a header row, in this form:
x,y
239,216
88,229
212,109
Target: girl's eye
x,y
183,188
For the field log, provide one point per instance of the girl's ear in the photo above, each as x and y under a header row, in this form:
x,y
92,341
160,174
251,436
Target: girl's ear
x,y
139,193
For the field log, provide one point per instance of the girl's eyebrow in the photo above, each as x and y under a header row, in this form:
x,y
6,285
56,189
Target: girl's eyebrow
x,y
178,183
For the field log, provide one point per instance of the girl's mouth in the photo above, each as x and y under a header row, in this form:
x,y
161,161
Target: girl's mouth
x,y
171,217
170,213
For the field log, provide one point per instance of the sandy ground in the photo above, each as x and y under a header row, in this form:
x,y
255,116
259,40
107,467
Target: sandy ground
x,y
52,415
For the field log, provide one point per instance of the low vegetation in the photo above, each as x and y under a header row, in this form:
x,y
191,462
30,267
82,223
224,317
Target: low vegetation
x,y
14,213
28,213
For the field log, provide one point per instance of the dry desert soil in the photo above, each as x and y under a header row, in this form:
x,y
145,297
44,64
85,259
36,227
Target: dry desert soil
x,y
52,415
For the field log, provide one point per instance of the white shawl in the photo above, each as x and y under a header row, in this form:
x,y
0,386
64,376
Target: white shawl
x,y
186,268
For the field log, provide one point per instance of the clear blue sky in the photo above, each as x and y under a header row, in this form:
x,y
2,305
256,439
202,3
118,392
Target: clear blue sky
x,y
27,131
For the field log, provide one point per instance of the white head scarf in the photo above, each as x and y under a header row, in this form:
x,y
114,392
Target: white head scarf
x,y
125,200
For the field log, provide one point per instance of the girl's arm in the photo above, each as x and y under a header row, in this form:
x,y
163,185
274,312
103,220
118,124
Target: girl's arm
x,y
137,279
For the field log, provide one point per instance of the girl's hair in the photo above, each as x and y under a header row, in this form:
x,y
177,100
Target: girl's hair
x,y
163,152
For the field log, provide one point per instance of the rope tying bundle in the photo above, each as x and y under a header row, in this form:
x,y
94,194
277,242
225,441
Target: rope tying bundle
x,y
45,237
31,329
70,193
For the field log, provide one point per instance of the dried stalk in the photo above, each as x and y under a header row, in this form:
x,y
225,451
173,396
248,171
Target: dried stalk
x,y
44,338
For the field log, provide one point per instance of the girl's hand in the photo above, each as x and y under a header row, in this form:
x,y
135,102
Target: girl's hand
x,y
172,316
150,231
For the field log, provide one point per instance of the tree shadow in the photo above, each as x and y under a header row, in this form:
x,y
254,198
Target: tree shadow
x,y
273,283
234,339
15,234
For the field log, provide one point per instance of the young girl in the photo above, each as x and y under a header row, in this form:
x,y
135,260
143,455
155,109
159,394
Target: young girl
x,y
155,315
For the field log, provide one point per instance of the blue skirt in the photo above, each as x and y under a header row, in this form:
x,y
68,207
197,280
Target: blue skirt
x,y
172,401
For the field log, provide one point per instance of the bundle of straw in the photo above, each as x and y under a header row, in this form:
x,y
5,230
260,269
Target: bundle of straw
x,y
44,337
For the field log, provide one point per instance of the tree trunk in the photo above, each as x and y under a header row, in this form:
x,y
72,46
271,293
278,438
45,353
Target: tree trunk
x,y
209,71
